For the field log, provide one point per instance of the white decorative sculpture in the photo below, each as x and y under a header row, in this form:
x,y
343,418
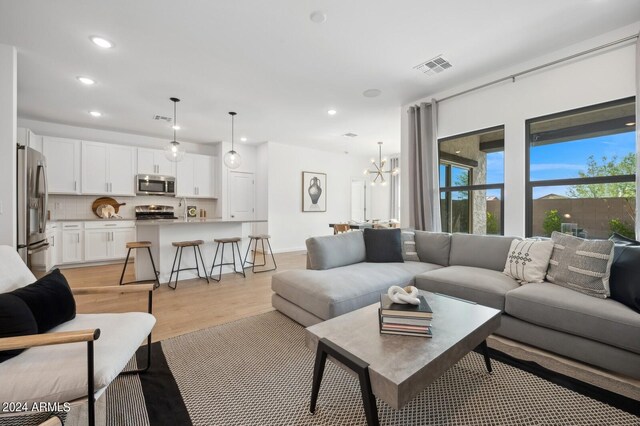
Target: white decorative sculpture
x,y
409,294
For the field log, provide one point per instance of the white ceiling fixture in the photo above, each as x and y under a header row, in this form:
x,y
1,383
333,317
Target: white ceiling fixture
x,y
371,93
232,159
173,151
243,139
332,112
433,66
95,113
378,171
318,17
86,80
101,42
350,135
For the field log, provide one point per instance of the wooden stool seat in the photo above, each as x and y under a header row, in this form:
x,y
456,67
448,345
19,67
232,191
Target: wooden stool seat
x,y
138,244
187,243
228,240
133,245
254,239
260,236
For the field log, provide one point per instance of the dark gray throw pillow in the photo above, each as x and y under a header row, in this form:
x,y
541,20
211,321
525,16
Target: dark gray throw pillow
x,y
16,319
50,300
383,245
625,272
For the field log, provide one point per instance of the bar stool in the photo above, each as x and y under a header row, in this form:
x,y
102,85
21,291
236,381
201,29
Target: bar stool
x,y
140,245
224,241
254,239
180,245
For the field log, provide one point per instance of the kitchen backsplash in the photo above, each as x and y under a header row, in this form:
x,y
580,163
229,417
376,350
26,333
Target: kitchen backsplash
x,y
79,206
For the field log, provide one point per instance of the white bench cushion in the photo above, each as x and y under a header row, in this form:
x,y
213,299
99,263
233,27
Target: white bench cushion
x,y
58,373
13,271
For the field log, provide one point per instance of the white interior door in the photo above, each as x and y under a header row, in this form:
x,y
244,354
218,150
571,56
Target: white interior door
x,y
241,196
359,212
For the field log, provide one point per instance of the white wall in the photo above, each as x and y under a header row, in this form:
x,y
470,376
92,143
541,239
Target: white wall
x,y
288,225
8,108
84,133
601,77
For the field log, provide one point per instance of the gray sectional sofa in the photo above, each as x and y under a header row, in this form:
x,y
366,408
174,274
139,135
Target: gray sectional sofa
x,y
601,332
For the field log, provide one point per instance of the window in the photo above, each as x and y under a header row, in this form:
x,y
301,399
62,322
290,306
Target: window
x,y
472,182
580,175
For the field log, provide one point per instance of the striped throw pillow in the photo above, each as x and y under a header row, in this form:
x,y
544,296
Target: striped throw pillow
x,y
581,265
409,253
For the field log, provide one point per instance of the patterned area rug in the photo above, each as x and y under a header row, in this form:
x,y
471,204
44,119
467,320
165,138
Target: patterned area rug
x,y
257,371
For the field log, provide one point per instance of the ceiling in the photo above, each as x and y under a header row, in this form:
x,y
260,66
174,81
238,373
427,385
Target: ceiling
x,y
269,62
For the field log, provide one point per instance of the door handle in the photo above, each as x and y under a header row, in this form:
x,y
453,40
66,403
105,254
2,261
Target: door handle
x,y
41,190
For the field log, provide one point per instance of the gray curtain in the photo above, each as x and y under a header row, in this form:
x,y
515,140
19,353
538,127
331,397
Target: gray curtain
x,y
424,193
637,138
395,190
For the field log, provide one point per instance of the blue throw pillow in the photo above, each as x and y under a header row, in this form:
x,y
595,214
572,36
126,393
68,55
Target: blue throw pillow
x,y
383,245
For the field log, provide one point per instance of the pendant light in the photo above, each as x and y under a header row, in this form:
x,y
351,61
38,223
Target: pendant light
x,y
232,159
378,171
173,151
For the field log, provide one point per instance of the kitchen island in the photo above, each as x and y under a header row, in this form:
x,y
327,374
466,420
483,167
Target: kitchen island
x,y
161,233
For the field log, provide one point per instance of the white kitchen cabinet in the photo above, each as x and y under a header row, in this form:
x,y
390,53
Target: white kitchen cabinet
x,y
122,168
154,162
195,177
185,186
63,164
107,240
72,242
107,169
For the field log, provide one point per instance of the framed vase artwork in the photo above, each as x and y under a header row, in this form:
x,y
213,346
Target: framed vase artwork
x,y
314,192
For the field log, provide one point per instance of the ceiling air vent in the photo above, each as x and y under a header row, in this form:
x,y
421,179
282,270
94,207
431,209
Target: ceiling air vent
x,y
350,135
162,118
433,66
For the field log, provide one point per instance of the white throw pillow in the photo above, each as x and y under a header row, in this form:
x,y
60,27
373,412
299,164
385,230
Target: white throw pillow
x,y
528,260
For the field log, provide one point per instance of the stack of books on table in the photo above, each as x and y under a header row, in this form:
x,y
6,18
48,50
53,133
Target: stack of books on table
x,y
405,319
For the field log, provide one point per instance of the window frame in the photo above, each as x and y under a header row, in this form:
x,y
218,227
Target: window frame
x,y
449,189
530,185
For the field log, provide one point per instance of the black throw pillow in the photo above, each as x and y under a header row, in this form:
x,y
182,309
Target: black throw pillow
x,y
625,272
383,245
50,299
623,241
16,319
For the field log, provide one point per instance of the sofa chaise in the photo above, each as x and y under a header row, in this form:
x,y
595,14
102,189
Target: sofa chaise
x,y
601,332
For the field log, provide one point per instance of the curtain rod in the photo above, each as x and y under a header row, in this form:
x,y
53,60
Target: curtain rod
x,y
539,67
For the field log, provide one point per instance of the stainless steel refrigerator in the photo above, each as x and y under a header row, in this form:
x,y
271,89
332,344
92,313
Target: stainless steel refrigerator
x,y
32,203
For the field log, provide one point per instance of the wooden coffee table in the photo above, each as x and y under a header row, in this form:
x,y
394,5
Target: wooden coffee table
x,y
397,368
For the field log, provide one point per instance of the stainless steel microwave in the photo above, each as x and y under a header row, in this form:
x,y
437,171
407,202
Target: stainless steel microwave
x,y
155,185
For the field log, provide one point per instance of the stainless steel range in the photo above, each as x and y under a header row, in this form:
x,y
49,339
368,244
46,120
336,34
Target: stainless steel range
x,y
155,212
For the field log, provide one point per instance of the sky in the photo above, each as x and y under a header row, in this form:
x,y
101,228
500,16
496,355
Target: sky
x,y
564,160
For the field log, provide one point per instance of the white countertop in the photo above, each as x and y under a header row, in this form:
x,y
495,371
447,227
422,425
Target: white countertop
x,y
95,219
193,221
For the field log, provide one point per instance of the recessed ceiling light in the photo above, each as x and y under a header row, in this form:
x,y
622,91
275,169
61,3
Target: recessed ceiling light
x,y
318,17
101,42
243,139
332,112
176,127
371,93
86,80
631,123
95,113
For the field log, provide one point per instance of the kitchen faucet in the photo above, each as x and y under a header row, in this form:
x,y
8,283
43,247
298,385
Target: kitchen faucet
x,y
183,204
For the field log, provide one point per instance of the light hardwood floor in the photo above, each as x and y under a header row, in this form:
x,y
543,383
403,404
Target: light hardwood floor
x,y
193,306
